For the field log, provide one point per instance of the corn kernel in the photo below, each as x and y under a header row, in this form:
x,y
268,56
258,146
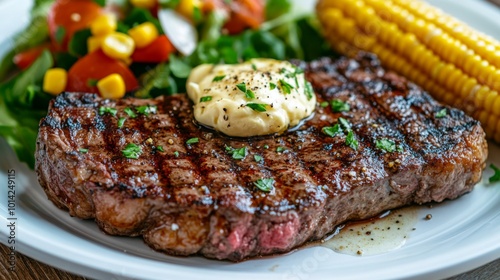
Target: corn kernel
x,y
143,34
94,43
103,25
54,81
118,45
146,4
111,86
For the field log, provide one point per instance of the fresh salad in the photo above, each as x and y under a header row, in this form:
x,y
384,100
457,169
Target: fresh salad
x,y
140,48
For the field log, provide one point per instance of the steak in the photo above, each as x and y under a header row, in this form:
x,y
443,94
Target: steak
x,y
396,146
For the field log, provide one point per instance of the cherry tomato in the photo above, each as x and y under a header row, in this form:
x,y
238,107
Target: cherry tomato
x,y
243,13
84,74
68,16
156,52
24,59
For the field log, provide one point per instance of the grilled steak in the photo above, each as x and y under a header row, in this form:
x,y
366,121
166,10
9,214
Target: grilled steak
x,y
197,199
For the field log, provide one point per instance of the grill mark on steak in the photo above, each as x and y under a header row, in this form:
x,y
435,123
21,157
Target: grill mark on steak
x,y
205,202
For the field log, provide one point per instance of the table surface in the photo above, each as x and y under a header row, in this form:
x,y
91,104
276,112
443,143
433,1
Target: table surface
x,y
30,269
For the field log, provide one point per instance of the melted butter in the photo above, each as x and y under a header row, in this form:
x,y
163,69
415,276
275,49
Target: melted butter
x,y
255,98
385,233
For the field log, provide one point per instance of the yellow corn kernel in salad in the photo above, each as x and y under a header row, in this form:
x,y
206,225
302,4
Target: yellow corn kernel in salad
x,y
187,7
143,34
94,43
55,80
118,45
111,86
103,25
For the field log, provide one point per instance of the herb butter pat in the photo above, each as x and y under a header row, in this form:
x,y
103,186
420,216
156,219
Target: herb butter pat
x,y
258,97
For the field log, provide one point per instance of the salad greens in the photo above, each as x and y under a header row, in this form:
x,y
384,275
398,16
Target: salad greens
x,y
23,103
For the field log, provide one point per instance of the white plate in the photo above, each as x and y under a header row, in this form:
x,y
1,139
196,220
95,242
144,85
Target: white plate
x,y
462,235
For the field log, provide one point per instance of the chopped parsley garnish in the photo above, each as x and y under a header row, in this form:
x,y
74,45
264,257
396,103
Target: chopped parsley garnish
x,y
386,145
242,87
257,107
265,185
324,104
176,154
130,112
121,121
266,146
250,94
160,148
109,110
285,87
441,114
351,141
146,109
258,158
309,91
205,98
254,67
340,106
496,177
240,153
132,151
83,151
192,141
345,124
272,86
218,78
280,149
332,131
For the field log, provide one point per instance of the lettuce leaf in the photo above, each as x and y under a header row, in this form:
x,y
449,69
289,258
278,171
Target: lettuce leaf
x,y
22,105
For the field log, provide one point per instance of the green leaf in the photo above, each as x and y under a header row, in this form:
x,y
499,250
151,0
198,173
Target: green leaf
x,y
265,185
496,176
239,154
83,151
218,78
192,141
286,88
257,107
332,131
178,67
101,3
242,87
107,110
78,44
276,8
156,81
170,4
132,151
309,91
324,104
345,124
249,94
441,114
140,15
130,112
121,122
212,26
351,141
146,109
205,98
160,148
386,145
340,106
258,158
280,149
272,86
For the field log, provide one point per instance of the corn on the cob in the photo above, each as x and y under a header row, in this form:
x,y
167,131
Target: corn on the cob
x,y
423,44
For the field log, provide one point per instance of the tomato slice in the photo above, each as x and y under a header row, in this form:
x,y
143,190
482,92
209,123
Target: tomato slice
x,y
156,52
68,16
24,59
243,13
84,74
